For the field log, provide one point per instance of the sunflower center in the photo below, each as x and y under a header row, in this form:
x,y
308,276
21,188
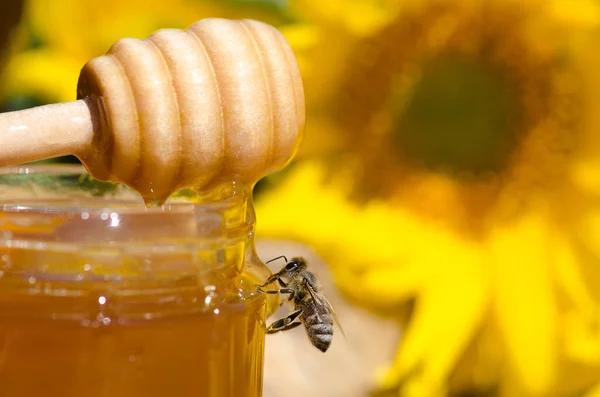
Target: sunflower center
x,y
460,116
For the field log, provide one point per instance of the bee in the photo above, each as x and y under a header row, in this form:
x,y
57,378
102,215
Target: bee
x,y
311,308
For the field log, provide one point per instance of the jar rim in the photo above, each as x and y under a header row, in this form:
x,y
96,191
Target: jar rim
x,y
127,199
42,168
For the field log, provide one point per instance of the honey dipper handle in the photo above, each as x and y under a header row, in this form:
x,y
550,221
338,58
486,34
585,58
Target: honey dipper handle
x,y
47,131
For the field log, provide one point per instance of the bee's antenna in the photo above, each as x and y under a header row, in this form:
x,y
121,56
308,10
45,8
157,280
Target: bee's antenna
x,y
279,257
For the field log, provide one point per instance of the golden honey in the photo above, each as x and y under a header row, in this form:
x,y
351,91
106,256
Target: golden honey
x,y
100,296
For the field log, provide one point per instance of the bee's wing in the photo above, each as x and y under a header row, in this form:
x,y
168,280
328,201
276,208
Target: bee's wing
x,y
325,302
333,313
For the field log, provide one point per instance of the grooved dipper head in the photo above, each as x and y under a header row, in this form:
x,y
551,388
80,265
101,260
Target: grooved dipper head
x,y
220,101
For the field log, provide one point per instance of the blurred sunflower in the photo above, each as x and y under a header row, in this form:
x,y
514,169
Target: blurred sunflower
x,y
59,37
465,185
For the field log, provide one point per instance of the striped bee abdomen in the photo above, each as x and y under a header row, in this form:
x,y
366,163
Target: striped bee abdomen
x,y
319,325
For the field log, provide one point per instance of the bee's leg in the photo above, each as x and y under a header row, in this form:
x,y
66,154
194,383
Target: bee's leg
x,y
266,283
283,285
284,328
281,291
279,280
285,323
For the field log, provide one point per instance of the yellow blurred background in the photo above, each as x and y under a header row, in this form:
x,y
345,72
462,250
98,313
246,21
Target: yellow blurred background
x,y
450,173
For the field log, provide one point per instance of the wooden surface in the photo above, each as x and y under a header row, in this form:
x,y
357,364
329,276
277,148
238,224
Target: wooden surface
x,y
220,101
294,368
46,131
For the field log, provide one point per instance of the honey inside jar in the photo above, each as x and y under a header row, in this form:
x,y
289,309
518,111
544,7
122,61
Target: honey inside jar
x,y
101,296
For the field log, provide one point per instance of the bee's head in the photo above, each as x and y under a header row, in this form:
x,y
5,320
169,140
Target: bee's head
x,y
295,266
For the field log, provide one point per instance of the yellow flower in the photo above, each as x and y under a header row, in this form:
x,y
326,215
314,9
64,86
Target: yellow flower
x,y
465,187
65,34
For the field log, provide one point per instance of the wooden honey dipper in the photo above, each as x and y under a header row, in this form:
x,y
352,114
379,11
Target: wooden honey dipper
x,y
220,101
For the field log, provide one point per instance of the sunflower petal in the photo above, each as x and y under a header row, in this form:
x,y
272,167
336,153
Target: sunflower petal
x,y
586,176
582,341
589,234
525,306
569,278
576,12
299,203
469,286
593,392
43,74
391,286
446,316
358,17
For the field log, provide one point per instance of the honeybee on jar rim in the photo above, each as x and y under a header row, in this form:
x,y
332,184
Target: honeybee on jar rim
x,y
311,307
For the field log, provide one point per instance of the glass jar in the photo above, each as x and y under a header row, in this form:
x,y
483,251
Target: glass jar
x,y
101,296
